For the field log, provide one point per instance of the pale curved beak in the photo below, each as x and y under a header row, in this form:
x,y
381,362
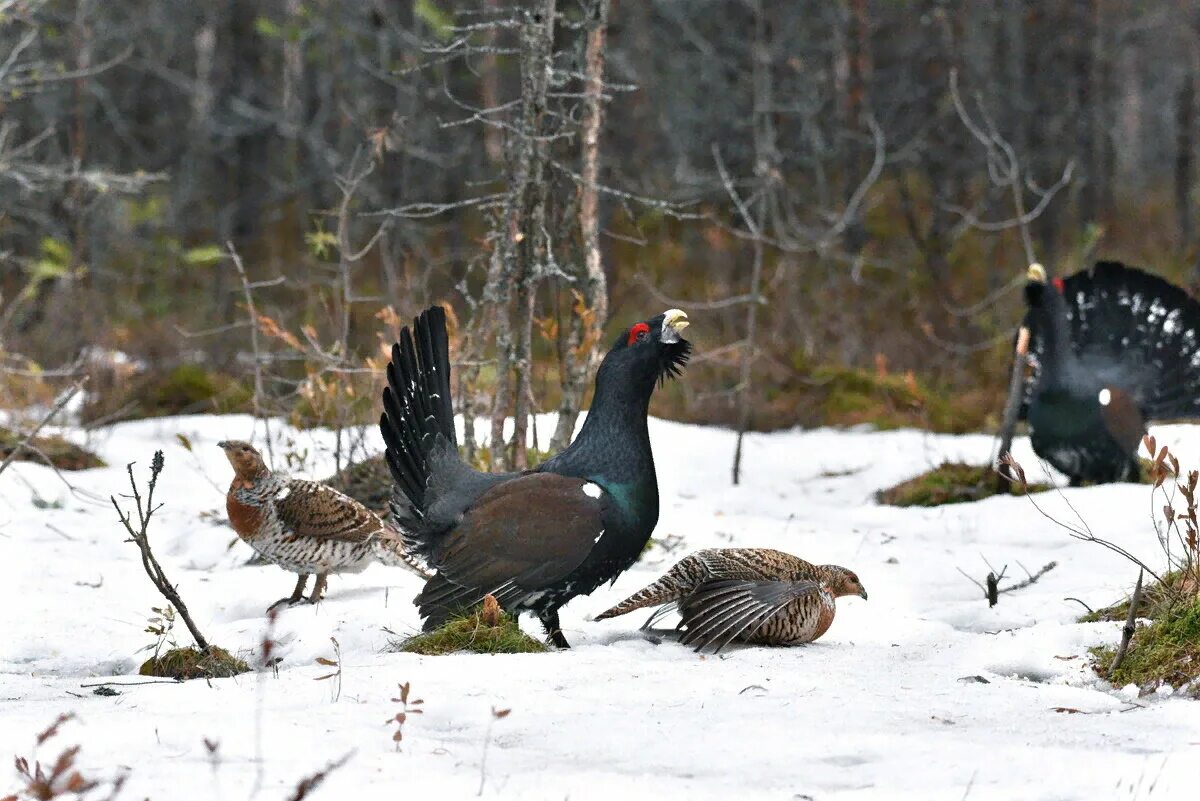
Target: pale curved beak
x,y
863,594
674,321
1036,272
223,444
1023,341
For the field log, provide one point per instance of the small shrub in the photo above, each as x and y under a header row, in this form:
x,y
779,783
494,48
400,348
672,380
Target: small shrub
x,y
63,454
194,663
335,401
184,389
949,482
474,632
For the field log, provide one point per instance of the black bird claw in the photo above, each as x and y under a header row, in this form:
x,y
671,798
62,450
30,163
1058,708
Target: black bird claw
x,y
289,602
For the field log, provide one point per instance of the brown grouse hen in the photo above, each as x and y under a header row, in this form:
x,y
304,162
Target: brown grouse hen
x,y
306,527
756,595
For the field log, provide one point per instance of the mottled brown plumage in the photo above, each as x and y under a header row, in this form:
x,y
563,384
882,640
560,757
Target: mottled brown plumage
x,y
305,527
756,595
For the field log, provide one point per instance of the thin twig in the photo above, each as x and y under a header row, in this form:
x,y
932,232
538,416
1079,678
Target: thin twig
x,y
1091,611
1032,579
1085,533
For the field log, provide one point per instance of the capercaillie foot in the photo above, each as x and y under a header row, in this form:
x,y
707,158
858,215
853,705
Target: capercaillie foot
x,y
756,595
305,527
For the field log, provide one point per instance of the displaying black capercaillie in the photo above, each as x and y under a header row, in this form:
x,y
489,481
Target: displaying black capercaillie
x,y
537,539
1112,348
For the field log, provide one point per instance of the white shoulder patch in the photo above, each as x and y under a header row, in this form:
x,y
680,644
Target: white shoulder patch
x,y
1105,397
283,493
592,490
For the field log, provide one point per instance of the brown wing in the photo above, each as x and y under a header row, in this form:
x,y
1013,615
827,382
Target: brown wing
x,y
309,509
519,537
721,611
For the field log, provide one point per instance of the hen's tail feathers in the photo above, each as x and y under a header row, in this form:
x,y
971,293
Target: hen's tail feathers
x,y
1135,331
677,583
417,410
391,551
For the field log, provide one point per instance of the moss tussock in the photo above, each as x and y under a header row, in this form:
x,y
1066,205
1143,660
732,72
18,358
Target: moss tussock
x,y
472,633
949,482
62,454
1165,652
193,663
850,397
184,389
1157,601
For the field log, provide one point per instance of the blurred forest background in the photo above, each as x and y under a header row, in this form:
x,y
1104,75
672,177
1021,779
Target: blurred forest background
x,y
234,205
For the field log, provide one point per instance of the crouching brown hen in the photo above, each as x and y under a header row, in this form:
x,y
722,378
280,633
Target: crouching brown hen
x,y
305,527
755,595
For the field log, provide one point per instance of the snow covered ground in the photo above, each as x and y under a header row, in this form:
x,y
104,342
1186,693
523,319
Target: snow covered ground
x,y
923,692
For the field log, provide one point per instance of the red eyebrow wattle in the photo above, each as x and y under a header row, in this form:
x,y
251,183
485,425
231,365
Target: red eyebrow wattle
x,y
1058,284
640,328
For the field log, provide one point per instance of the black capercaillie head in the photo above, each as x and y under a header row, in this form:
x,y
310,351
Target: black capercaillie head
x,y
1040,293
1047,321
647,352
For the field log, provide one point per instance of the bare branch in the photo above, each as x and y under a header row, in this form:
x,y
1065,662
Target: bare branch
x,y
1128,631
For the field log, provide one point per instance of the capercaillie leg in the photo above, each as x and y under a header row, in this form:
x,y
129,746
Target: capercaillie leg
x,y
549,619
318,588
297,594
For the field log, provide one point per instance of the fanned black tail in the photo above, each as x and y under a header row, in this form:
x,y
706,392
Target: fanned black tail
x,y
417,412
1135,331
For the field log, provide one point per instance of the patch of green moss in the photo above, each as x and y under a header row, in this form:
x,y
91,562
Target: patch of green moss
x,y
193,663
950,482
1165,652
184,389
470,633
189,388
63,454
849,396
1158,599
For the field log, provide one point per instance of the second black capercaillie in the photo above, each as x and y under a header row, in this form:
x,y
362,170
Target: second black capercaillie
x,y
536,539
1112,349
